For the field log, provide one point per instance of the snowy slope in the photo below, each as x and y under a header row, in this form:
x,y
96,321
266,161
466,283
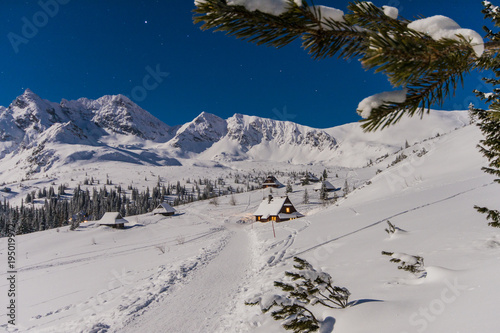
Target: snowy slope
x,y
352,140
102,280
431,199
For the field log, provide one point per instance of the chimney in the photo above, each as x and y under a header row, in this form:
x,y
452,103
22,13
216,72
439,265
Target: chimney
x,y
270,198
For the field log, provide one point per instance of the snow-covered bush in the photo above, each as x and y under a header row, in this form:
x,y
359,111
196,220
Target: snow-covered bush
x,y
214,201
303,287
413,264
391,229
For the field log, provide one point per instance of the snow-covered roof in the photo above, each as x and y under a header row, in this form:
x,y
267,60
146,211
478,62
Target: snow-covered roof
x,y
112,218
270,207
271,180
328,185
310,177
293,215
163,208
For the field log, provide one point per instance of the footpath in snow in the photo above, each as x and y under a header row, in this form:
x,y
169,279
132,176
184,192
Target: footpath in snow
x,y
199,305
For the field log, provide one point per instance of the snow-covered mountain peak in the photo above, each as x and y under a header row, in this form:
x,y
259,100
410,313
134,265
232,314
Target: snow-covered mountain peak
x,y
199,134
32,115
119,114
30,125
253,130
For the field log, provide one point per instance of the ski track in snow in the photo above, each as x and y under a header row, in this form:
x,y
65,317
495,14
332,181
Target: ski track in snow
x,y
278,255
206,297
150,290
126,251
388,218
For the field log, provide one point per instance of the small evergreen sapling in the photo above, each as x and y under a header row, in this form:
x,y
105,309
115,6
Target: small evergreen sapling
x,y
413,264
303,287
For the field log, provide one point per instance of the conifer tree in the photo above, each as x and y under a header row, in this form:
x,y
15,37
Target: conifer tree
x,y
489,120
306,197
346,188
323,193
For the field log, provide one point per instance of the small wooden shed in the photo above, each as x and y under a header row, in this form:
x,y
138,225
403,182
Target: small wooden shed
x,y
164,209
113,220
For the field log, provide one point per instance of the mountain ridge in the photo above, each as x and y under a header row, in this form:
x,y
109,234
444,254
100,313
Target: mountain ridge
x,y
37,134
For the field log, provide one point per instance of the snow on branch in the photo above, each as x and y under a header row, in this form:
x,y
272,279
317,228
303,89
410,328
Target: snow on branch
x,y
439,27
366,106
303,287
410,263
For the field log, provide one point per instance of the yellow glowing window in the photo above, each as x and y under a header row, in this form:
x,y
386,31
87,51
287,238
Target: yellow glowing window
x,y
288,209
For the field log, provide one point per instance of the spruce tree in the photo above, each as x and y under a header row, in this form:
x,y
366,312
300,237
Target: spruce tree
x,y
488,121
346,188
323,193
306,197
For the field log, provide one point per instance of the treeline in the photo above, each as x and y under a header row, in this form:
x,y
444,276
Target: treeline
x,y
53,208
57,210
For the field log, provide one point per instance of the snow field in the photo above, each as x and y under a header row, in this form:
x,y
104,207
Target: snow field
x,y
104,280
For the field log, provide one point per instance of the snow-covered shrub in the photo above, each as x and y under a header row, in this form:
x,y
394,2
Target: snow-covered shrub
x,y
214,201
391,229
180,239
162,248
304,287
413,264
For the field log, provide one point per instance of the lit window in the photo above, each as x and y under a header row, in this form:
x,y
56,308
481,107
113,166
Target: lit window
x,y
288,209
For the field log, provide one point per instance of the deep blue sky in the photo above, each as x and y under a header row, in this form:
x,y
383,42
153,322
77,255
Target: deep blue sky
x,y
91,48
